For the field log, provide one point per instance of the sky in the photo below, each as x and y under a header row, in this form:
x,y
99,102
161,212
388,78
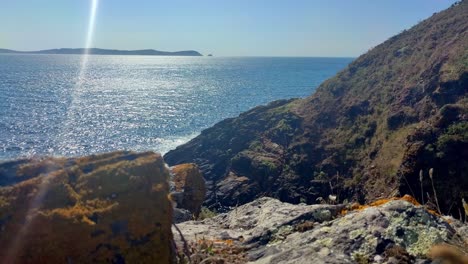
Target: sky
x,y
324,28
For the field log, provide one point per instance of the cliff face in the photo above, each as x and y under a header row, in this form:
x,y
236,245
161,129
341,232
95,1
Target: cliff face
x,y
108,208
365,133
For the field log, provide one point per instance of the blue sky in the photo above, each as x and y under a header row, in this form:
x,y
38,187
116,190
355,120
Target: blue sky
x,y
336,28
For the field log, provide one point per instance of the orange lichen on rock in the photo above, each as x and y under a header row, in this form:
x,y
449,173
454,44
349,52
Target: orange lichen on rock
x,y
406,197
102,208
380,202
227,242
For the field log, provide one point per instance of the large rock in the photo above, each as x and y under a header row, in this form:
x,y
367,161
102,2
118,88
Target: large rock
x,y
367,235
190,186
101,208
269,231
257,221
250,227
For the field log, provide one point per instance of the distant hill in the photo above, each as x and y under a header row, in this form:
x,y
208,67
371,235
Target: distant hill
x,y
96,51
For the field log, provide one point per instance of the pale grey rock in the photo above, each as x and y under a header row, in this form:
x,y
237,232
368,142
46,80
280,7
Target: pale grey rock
x,y
258,222
364,234
267,228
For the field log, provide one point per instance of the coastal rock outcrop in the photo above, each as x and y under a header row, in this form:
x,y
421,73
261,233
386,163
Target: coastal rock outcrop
x,y
266,230
110,208
369,132
189,184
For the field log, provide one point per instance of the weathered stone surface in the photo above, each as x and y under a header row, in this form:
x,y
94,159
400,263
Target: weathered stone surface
x,y
389,231
364,234
189,181
101,208
257,222
181,215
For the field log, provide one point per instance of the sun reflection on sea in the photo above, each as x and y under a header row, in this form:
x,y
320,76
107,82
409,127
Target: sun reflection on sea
x,y
36,202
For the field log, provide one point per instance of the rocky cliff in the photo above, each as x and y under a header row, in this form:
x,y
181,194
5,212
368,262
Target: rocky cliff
x,y
107,208
374,130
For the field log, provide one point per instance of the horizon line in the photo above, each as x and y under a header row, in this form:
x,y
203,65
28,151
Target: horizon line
x,y
203,55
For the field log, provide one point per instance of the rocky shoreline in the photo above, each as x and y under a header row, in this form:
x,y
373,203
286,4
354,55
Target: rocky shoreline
x,y
119,208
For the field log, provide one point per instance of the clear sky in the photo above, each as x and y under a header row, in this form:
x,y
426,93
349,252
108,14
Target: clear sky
x,y
334,28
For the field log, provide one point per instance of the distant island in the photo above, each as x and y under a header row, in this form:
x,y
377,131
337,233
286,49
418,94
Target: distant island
x,y
97,51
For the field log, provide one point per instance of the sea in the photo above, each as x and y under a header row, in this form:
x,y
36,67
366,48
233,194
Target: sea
x,y
71,105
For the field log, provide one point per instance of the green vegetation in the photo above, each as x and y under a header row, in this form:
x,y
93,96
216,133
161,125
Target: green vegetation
x,y
361,258
206,213
456,134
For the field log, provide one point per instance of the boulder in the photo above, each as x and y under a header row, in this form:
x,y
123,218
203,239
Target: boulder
x,y
102,208
257,222
189,183
368,235
397,230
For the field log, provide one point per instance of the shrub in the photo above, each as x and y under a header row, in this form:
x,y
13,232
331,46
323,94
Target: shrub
x,y
206,213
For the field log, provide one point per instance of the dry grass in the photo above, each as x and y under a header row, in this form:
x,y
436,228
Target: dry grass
x,y
206,251
465,206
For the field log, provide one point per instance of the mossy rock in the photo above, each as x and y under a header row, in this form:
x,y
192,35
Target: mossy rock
x,y
102,208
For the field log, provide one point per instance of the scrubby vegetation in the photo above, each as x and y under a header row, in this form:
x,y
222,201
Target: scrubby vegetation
x,y
206,213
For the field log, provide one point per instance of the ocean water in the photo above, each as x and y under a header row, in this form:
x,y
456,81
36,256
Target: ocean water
x,y
137,102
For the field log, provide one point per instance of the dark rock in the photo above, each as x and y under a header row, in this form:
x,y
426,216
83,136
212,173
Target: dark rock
x,y
182,215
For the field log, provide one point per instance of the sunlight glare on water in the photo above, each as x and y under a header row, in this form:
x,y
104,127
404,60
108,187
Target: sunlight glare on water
x,y
63,139
43,188
137,102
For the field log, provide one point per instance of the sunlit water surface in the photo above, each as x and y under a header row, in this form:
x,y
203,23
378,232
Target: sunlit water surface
x,y
137,102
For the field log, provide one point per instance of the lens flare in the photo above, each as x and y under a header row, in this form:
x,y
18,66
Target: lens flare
x,y
62,143
89,41
41,192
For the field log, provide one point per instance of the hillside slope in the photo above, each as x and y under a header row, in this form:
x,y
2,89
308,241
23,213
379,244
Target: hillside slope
x,y
365,133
